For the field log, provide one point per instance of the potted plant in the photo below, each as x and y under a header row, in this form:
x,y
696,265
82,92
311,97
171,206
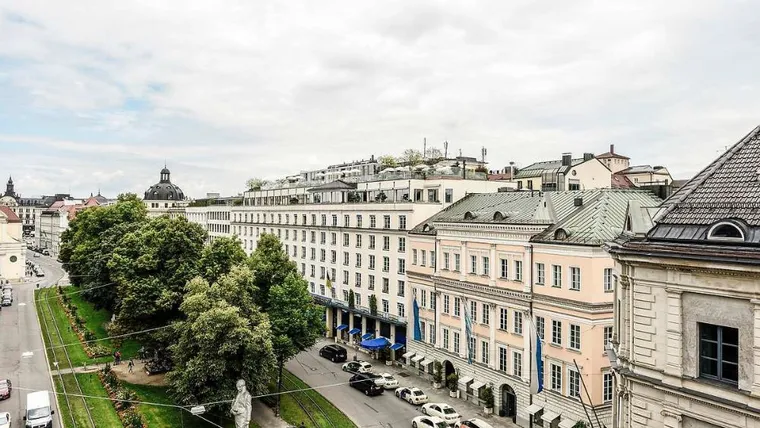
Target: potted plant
x,y
487,398
384,355
351,301
453,383
437,374
373,305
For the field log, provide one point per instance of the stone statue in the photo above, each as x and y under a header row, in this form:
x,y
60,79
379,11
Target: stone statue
x,y
241,407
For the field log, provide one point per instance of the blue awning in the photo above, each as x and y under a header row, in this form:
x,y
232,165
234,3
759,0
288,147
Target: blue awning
x,y
367,336
341,327
355,331
376,344
396,346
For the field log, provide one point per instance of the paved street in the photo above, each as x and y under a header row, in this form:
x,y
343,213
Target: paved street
x,y
385,411
21,333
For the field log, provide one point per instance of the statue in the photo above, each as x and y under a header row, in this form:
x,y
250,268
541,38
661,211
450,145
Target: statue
x,y
241,407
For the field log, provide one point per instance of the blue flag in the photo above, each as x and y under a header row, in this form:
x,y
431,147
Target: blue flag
x,y
417,330
537,366
468,333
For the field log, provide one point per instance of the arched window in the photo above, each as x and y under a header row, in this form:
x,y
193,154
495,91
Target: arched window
x,y
469,215
725,231
498,216
426,228
560,234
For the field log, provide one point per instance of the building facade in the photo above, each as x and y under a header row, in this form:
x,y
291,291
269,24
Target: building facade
x,y
12,248
214,214
615,162
165,197
566,173
512,261
349,240
686,342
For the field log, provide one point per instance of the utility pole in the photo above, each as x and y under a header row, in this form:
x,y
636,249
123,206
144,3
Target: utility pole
x,y
446,149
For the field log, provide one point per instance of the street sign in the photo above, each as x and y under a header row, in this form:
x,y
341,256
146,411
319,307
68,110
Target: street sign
x,y
198,410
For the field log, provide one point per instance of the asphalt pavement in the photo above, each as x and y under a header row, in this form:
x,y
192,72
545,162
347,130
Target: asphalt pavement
x,y
384,411
20,333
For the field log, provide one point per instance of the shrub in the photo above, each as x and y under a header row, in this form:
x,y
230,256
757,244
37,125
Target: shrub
x,y
437,372
89,336
132,419
487,397
452,381
580,424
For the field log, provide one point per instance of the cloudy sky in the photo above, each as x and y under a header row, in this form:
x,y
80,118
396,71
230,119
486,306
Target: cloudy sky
x,y
99,93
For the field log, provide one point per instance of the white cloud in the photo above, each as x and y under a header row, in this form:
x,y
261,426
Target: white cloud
x,y
237,89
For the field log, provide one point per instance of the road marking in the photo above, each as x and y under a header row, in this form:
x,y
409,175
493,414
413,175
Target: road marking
x,y
22,304
28,354
373,409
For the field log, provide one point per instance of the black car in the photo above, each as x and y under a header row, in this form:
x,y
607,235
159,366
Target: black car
x,y
365,382
334,353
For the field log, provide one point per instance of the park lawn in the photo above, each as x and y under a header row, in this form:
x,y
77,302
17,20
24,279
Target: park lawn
x,y
322,410
58,318
62,407
95,320
77,404
102,410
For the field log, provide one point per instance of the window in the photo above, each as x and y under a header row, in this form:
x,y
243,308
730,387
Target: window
x,y
448,195
504,271
345,277
503,359
386,243
371,283
455,349
557,332
345,258
540,326
423,331
725,231
313,237
445,332
432,333
400,308
371,261
445,261
516,363
486,314
474,265
334,220
386,222
433,195
313,252
372,242
432,259
402,222
607,336
556,276
446,304
401,266
503,314
575,337
359,222
474,311
358,241
473,349
333,238
386,264
346,220
346,240
575,278
484,352
486,265
313,271
607,387
400,292
313,287
322,237
457,262
386,306
324,220
457,303
358,260
719,353
372,222
573,383
358,279
540,274
386,285
402,246
333,256
432,300
608,279
414,257
518,270
518,324
556,377
423,298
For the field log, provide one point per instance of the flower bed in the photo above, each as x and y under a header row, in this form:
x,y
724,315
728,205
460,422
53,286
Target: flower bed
x,y
123,399
93,350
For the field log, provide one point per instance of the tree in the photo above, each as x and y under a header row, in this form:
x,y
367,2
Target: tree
x,y
433,153
151,267
411,157
296,322
387,161
373,304
487,397
351,299
224,337
256,183
270,266
220,256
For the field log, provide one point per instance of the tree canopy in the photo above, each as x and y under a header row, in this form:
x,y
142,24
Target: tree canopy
x,y
255,183
220,256
270,266
411,157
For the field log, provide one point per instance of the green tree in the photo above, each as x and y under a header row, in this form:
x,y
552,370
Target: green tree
x,y
433,153
387,161
270,266
411,157
255,183
220,256
296,322
224,337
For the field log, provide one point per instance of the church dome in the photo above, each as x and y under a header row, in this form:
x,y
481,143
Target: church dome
x,y
164,190
8,201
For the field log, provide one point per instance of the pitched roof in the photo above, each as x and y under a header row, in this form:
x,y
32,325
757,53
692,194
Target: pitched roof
x,y
11,216
644,169
538,168
611,155
334,185
620,181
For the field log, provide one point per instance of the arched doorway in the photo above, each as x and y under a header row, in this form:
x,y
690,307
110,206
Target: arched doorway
x,y
508,403
448,369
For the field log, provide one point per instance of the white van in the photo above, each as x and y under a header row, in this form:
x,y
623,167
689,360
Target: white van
x,y
38,412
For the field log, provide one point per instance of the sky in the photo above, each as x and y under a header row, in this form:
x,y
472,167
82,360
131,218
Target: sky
x,y
99,94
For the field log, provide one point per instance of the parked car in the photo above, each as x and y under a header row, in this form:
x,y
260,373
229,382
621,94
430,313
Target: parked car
x,y
443,411
334,353
40,273
388,381
7,301
365,382
5,389
475,423
428,422
45,252
5,420
411,395
357,367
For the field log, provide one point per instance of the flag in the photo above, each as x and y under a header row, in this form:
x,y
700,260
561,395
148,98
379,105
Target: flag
x,y
536,365
417,330
468,332
329,283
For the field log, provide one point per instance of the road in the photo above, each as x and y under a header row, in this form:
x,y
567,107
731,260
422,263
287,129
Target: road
x,y
21,333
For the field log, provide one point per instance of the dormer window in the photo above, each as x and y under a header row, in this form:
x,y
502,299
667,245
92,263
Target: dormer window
x,y
498,216
469,216
560,234
426,228
725,231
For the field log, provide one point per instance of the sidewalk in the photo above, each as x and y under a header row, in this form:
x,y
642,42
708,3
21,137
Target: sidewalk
x,y
264,416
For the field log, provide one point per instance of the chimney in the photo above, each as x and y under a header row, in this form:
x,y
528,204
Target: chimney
x,y
588,156
578,202
612,149
567,159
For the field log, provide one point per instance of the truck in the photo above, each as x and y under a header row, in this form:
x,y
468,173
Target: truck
x,y
38,413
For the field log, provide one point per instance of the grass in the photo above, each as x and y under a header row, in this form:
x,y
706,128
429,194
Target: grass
x,y
62,406
58,317
96,319
313,403
103,411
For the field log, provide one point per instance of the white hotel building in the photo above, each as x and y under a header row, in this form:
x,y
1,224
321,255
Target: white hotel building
x,y
352,232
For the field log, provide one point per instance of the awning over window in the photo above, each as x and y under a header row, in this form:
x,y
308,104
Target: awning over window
x,y
534,408
341,327
397,346
549,416
355,331
477,385
567,423
465,380
425,362
408,354
367,336
418,358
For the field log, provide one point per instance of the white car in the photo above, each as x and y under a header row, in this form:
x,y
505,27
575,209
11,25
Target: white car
x,y
387,381
357,367
428,422
475,423
411,395
5,420
443,411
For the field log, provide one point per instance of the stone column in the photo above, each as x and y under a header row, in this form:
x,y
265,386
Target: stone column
x,y
438,338
674,358
624,316
493,266
492,363
463,262
756,384
329,321
364,325
377,328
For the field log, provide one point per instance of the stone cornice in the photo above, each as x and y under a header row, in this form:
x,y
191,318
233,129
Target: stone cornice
x,y
594,308
481,290
692,266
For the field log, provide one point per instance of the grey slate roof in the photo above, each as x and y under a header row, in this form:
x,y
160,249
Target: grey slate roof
x,y
334,185
539,168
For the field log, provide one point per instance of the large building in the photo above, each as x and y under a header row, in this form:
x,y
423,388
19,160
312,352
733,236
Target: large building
x,y
687,334
213,213
565,173
12,248
165,197
27,209
349,237
509,261
54,219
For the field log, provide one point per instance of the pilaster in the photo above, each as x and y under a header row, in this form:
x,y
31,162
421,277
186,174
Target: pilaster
x,y
527,269
527,361
674,358
492,363
623,336
329,322
463,262
756,339
492,265
438,338
364,326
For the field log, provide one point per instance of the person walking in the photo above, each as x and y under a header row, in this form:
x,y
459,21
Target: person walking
x,y
131,365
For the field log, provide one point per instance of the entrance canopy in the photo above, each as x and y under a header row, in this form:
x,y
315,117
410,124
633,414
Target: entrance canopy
x,y
367,336
396,346
375,344
355,331
341,327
